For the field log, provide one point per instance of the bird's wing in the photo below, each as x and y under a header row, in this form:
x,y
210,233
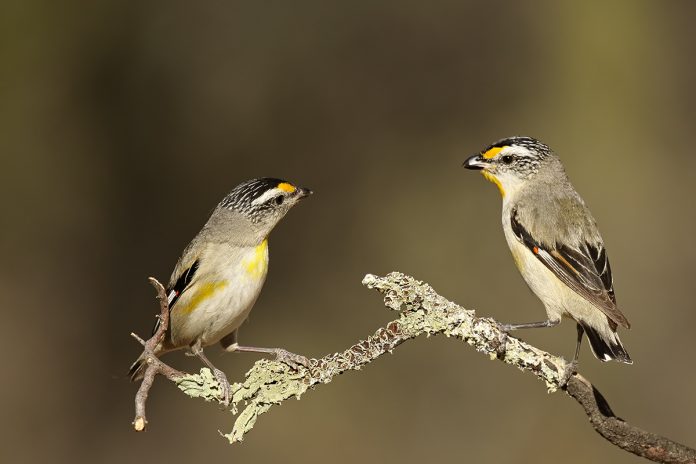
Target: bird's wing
x,y
585,269
181,280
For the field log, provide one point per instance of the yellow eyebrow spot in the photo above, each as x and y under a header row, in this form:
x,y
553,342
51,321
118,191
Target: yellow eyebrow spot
x,y
204,292
493,152
491,178
286,187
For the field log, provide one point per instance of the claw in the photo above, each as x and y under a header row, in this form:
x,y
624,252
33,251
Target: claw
x,y
291,359
570,369
502,344
505,328
225,386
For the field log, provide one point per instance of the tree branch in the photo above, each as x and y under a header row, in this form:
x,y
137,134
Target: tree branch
x,y
425,312
153,365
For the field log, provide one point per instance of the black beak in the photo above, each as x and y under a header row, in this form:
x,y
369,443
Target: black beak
x,y
475,162
303,192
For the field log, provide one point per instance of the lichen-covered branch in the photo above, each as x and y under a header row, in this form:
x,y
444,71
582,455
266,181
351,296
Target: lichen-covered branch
x,y
424,312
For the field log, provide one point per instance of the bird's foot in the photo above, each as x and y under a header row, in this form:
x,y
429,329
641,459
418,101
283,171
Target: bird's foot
x,y
225,387
506,328
500,344
291,359
570,369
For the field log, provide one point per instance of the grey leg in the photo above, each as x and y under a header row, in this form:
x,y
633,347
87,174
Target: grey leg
x,y
572,366
581,332
291,359
220,376
530,325
229,342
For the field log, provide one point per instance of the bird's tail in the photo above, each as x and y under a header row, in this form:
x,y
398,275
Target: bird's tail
x,y
137,369
606,347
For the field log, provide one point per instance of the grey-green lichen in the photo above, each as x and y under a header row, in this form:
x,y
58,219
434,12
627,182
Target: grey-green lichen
x,y
422,311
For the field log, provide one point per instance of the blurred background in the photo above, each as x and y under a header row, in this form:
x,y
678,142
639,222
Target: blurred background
x,y
122,124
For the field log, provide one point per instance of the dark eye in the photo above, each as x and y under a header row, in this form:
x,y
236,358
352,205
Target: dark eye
x,y
507,159
279,200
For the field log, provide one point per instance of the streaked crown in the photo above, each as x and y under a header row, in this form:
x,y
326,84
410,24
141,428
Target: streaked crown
x,y
533,145
521,156
263,197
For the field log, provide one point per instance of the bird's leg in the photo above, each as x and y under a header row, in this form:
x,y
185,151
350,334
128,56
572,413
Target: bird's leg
x,y
572,366
220,376
229,343
291,359
530,325
581,332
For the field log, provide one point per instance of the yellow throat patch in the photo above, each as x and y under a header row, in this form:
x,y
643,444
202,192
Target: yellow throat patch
x,y
491,178
258,263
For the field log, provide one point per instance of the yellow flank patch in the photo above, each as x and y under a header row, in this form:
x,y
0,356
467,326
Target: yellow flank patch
x,y
204,292
258,263
493,152
286,187
491,178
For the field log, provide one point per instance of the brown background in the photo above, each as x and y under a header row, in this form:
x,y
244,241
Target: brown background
x,y
123,123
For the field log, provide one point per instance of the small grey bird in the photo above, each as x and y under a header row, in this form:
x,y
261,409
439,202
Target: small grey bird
x,y
555,242
221,272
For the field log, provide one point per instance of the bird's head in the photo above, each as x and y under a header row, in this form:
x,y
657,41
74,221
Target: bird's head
x,y
510,162
260,203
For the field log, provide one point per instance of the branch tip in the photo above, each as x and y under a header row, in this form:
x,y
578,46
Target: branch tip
x,y
139,424
140,340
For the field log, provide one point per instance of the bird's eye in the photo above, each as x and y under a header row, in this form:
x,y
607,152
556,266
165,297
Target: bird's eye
x,y
279,200
507,159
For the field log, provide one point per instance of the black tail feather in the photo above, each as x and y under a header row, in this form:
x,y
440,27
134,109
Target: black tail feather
x,y
606,349
136,370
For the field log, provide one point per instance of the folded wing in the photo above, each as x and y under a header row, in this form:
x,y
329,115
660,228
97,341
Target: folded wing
x,y
585,269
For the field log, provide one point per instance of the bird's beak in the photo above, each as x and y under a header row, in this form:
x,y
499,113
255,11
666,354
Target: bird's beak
x,y
303,192
475,162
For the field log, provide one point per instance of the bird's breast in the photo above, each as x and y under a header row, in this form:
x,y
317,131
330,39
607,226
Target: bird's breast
x,y
221,301
545,285
256,262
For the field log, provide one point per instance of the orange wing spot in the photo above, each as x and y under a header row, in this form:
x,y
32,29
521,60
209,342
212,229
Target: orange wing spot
x,y
287,187
493,152
536,250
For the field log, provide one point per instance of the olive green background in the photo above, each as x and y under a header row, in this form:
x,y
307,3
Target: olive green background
x,y
122,124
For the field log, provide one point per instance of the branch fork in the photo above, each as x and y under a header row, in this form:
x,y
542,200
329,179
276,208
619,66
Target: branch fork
x,y
153,365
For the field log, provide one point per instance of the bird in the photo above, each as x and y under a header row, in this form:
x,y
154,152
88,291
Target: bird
x,y
555,243
220,274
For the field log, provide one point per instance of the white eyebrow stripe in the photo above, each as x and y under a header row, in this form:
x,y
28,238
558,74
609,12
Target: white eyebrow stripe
x,y
525,152
266,196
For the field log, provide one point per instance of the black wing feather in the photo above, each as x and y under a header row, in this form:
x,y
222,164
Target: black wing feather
x,y
585,270
175,291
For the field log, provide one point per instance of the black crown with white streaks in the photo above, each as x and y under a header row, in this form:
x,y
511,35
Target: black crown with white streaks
x,y
537,147
243,198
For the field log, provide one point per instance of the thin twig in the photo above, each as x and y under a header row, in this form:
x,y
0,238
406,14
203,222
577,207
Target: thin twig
x,y
153,365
